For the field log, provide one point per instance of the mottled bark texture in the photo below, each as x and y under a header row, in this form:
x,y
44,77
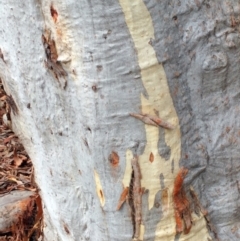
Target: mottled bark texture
x,y
77,69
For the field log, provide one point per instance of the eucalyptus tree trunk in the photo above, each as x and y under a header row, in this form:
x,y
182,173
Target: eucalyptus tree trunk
x,y
129,110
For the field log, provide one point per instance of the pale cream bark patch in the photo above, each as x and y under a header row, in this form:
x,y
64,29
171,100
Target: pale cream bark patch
x,y
99,188
154,79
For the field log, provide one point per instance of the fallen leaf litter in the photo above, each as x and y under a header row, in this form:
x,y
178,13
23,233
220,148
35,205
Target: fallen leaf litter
x,y
16,173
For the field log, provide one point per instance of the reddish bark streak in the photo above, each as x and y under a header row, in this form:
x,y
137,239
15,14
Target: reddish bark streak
x,y
54,14
181,204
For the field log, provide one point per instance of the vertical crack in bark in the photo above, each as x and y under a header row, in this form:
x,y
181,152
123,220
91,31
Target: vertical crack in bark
x,y
131,201
135,197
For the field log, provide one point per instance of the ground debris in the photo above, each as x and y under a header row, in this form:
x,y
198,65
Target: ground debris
x,y
16,173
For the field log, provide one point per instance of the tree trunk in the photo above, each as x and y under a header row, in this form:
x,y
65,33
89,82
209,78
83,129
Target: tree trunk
x,y
129,111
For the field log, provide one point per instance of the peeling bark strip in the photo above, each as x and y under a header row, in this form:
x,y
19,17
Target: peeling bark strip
x,y
123,198
152,120
135,196
181,204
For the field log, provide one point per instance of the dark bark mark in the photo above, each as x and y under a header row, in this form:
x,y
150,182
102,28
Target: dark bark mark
x,y
99,68
89,129
12,104
94,88
54,13
182,210
1,56
66,228
114,159
74,72
86,143
107,34
101,193
52,63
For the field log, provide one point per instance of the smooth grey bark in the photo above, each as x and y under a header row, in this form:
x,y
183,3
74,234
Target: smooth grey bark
x,y
71,132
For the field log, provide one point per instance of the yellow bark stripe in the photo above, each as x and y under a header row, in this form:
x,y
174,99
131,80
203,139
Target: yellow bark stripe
x,y
140,26
99,188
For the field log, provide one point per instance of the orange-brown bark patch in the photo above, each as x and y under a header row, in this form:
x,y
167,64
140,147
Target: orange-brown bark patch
x,y
151,157
182,210
54,13
114,159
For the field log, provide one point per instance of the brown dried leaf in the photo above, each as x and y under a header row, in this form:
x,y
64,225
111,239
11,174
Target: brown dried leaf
x,y
18,159
8,139
2,147
15,180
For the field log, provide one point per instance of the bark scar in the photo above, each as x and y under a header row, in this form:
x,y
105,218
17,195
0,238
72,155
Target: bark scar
x,y
51,53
